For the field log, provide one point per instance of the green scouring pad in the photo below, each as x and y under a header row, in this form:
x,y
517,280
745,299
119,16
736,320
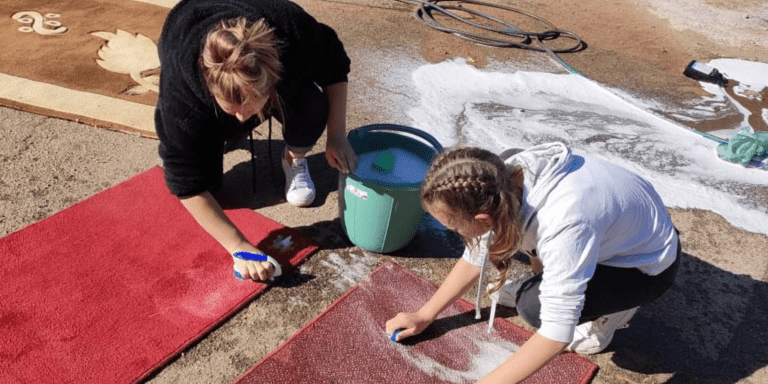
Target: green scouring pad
x,y
384,162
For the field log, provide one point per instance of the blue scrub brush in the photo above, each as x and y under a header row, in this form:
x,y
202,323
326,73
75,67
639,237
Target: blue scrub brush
x,y
243,255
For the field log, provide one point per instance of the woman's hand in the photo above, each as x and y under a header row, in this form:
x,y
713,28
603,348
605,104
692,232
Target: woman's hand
x,y
340,154
411,324
248,269
254,270
209,214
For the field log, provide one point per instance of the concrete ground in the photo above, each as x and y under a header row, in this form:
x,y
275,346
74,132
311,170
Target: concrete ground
x,y
710,328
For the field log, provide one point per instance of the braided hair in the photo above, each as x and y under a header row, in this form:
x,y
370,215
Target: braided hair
x,y
474,181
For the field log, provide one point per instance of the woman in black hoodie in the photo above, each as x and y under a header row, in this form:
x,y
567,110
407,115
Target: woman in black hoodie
x,y
226,66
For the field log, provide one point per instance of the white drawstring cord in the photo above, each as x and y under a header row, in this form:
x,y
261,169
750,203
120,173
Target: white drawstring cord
x,y
494,301
480,284
479,288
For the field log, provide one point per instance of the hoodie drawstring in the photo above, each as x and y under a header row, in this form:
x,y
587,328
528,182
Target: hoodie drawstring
x,y
479,288
480,283
494,301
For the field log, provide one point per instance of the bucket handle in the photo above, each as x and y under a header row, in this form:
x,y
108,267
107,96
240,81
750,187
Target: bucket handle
x,y
394,127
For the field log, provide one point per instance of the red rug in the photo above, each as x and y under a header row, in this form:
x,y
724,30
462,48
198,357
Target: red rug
x,y
347,342
112,288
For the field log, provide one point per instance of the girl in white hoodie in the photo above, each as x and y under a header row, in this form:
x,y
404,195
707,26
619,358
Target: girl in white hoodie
x,y
599,239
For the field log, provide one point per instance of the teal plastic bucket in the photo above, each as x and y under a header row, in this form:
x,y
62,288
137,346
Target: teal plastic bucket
x,y
379,204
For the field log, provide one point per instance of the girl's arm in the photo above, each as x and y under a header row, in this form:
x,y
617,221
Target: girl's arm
x,y
532,355
458,281
209,215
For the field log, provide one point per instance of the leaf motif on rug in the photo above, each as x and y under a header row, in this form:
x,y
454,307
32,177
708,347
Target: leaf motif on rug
x,y
135,55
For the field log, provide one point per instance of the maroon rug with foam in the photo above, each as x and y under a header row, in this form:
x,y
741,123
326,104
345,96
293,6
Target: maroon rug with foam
x,y
347,344
112,288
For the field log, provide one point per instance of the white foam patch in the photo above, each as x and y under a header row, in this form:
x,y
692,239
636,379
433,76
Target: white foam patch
x,y
751,78
350,272
385,74
459,103
294,302
484,358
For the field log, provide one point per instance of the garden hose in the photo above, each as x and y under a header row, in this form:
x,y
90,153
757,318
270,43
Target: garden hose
x,y
512,37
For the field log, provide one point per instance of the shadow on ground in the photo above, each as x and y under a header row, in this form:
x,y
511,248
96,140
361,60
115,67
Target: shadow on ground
x,y
443,325
246,186
711,327
432,240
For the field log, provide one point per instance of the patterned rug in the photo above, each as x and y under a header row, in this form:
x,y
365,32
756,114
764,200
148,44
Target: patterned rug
x,y
91,61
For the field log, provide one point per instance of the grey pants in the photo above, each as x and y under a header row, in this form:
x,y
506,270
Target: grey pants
x,y
609,291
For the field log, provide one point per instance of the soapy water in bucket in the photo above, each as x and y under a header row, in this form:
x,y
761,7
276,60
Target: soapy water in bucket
x,y
408,168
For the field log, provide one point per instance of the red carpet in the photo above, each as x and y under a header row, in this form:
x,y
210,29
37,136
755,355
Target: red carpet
x,y
346,344
112,288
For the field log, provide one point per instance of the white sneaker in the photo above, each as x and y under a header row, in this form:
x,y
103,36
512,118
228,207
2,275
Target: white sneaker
x,y
594,336
299,189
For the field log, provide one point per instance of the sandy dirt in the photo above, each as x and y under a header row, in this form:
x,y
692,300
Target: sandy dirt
x,y
710,328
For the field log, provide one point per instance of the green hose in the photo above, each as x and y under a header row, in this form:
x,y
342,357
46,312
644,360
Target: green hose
x,y
522,39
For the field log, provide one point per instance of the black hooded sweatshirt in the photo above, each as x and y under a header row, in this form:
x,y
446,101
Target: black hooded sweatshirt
x,y
191,130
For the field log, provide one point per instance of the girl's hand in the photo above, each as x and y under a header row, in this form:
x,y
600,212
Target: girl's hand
x,y
411,324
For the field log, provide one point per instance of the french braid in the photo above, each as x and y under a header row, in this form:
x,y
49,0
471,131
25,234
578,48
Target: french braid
x,y
472,181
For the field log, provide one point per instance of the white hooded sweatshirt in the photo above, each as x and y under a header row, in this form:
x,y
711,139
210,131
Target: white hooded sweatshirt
x,y
578,212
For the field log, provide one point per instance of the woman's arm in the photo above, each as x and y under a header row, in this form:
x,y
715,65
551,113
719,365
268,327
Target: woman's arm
x,y
210,216
339,152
